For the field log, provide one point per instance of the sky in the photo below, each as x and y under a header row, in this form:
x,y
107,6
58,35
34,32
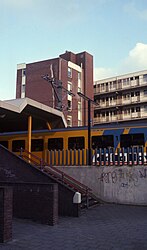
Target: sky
x,y
113,31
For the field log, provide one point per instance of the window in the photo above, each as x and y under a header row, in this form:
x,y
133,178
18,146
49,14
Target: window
x,y
79,114
102,141
137,109
23,72
79,82
125,141
69,86
79,106
111,85
37,145
55,144
102,86
127,96
96,114
125,111
145,77
128,140
23,88
145,92
17,145
126,82
79,89
137,93
79,123
4,143
97,100
69,107
136,77
69,72
69,121
76,142
79,75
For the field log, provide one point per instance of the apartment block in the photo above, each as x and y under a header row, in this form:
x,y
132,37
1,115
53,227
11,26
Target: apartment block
x,y
69,73
121,98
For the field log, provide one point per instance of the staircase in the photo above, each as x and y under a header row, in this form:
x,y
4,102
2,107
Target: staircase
x,y
88,198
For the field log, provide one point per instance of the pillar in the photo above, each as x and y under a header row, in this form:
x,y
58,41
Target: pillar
x,y
6,208
29,132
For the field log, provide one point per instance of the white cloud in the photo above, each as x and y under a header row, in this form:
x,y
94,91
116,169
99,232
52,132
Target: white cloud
x,y
133,10
102,73
137,57
135,61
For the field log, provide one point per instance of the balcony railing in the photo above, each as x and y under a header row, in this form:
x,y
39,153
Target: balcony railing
x,y
119,117
121,102
119,86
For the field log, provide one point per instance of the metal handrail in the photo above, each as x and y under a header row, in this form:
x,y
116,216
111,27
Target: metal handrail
x,y
56,172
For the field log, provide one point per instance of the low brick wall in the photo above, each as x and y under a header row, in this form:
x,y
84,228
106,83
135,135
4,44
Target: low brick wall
x,y
38,202
6,195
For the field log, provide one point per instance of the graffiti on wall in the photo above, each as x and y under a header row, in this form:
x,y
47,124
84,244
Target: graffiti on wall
x,y
6,173
125,177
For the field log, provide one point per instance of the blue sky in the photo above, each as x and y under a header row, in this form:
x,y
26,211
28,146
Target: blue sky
x,y
113,31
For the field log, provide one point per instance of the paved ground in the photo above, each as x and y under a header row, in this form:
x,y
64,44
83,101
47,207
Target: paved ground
x,y
104,227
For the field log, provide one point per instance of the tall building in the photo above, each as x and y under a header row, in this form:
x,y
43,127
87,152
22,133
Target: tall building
x,y
68,74
121,99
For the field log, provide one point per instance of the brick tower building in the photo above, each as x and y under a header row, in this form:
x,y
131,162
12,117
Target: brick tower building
x,y
72,72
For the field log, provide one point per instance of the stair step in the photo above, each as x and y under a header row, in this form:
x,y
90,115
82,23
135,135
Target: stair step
x,y
88,203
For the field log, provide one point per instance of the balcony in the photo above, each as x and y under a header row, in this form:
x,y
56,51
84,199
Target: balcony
x,y
119,101
120,117
100,89
135,83
136,115
135,99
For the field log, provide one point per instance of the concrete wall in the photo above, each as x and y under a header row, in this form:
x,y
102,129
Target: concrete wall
x,y
124,185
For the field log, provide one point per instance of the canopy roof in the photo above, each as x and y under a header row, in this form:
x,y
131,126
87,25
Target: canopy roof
x,y
14,115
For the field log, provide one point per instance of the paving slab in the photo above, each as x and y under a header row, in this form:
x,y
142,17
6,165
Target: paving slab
x,y
105,227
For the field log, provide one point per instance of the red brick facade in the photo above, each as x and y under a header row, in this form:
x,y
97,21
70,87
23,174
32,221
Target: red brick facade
x,y
40,90
6,210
